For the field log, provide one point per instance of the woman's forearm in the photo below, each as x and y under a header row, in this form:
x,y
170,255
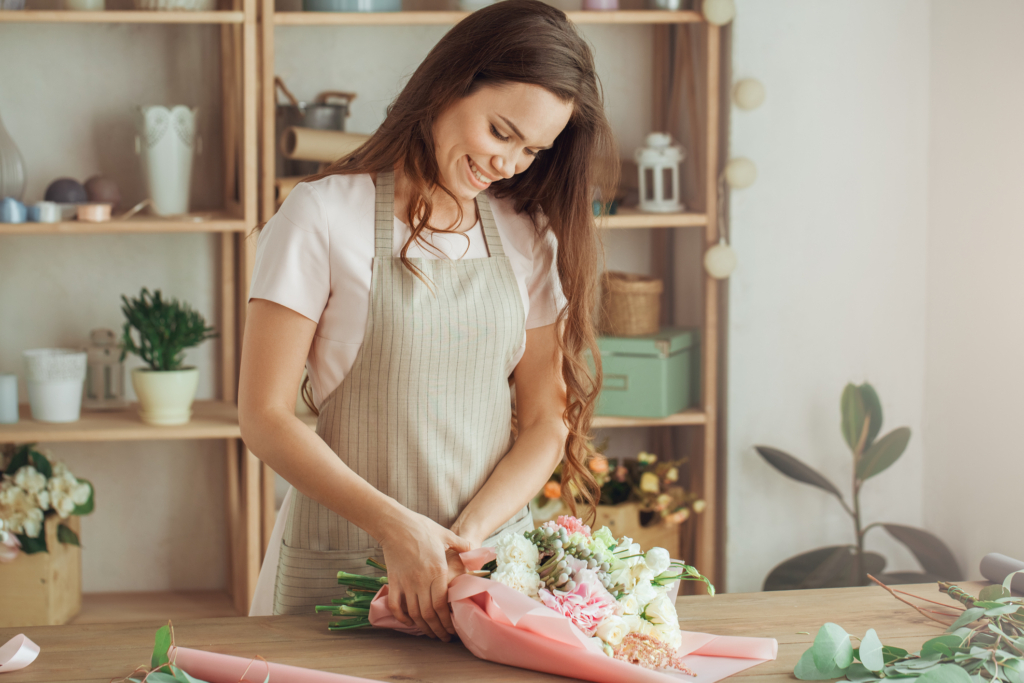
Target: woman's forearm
x,y
517,478
294,451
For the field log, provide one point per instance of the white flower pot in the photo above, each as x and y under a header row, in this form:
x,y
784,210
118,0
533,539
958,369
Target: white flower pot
x,y
166,142
165,396
55,378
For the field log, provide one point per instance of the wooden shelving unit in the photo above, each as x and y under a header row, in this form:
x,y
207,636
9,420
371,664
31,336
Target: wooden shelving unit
x,y
705,479
120,17
217,222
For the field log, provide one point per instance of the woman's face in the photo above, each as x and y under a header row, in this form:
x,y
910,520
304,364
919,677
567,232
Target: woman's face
x,y
495,133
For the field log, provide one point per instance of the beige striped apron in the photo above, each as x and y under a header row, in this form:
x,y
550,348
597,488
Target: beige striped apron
x,y
424,415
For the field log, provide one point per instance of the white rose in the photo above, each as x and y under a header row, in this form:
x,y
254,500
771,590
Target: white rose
x,y
43,500
657,560
629,604
30,479
515,548
661,611
670,635
641,572
64,506
520,578
612,630
33,523
80,493
648,629
633,622
644,593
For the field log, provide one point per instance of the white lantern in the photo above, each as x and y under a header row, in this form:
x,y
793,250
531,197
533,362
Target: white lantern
x,y
658,165
104,372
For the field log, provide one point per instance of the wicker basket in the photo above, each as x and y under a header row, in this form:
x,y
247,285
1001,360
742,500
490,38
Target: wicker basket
x,y
630,304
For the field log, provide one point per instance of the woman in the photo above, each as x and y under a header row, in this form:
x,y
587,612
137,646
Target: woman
x,y
415,280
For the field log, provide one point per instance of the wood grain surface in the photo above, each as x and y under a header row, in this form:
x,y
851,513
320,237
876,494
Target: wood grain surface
x,y
103,652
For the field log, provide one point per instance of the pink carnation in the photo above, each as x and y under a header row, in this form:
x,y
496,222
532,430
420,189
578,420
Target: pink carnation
x,y
9,546
573,524
586,606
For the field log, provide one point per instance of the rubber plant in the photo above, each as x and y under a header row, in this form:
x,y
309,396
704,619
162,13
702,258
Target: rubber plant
x,y
849,564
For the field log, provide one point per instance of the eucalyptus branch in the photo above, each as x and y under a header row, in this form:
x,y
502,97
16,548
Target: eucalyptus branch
x,y
907,602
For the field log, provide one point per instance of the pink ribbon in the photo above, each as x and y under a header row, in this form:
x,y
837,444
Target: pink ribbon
x,y
17,653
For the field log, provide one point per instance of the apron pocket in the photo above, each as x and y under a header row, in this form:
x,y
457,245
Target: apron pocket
x,y
306,578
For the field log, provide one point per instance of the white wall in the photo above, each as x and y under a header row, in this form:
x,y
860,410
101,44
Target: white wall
x,y
830,286
975,365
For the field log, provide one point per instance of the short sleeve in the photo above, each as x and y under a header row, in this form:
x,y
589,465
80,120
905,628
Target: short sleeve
x,y
546,298
292,266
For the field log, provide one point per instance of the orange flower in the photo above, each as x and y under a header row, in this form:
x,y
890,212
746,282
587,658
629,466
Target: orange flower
x,y
598,464
552,489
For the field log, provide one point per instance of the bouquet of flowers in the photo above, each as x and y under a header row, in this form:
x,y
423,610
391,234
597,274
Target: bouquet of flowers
x,y
31,488
619,599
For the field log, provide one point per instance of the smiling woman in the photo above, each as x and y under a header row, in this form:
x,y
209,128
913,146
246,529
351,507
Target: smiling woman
x,y
451,256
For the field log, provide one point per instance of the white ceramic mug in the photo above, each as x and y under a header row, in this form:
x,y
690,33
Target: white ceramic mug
x,y
55,380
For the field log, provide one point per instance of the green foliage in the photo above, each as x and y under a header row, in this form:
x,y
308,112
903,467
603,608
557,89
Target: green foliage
x,y
31,545
26,454
165,329
985,644
162,669
89,505
66,535
849,565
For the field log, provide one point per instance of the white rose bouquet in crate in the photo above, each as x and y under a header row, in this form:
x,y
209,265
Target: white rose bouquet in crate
x,y
31,489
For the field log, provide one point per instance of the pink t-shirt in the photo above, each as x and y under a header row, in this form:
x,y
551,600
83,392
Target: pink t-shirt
x,y
315,257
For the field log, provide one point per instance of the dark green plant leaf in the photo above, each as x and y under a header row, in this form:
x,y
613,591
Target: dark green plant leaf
x,y
943,645
86,507
853,415
165,329
160,647
806,670
858,673
33,545
795,469
896,578
873,410
883,453
993,592
890,654
19,459
930,551
41,464
832,648
66,535
829,567
946,673
969,616
870,651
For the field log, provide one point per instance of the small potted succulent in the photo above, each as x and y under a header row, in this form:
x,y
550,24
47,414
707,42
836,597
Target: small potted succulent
x,y
166,389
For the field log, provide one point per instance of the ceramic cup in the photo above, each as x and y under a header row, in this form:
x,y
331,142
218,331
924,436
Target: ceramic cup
x,y
44,212
8,399
55,378
12,211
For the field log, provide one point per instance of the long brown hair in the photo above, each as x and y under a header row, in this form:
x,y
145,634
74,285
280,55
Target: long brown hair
x,y
519,41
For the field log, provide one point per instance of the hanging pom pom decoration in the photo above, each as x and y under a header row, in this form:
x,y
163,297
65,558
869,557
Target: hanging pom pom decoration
x,y
719,12
748,94
720,260
740,173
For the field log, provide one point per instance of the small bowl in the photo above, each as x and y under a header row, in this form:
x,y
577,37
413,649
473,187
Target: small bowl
x,y
94,213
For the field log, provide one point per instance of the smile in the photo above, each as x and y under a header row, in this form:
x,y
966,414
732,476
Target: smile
x,y
482,181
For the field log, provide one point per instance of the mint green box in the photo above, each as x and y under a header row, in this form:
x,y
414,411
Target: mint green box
x,y
655,375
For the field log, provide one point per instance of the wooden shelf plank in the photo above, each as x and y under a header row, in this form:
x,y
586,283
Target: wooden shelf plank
x,y
210,420
109,608
693,416
450,18
634,218
207,222
119,17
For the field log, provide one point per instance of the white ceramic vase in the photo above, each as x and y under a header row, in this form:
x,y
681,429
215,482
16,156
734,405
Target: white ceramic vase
x,y
165,396
55,378
166,142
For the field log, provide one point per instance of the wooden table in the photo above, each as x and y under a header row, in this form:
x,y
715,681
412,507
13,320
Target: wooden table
x,y
101,652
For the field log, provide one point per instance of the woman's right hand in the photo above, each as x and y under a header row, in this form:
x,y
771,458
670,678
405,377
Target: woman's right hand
x,y
416,554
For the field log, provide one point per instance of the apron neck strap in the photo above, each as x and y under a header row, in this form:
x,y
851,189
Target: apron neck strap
x,y
384,219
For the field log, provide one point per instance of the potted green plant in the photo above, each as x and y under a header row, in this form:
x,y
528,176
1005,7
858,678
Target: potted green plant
x,y
166,388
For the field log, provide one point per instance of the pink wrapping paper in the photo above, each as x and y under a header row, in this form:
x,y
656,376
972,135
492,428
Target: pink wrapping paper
x,y
17,653
499,624
218,668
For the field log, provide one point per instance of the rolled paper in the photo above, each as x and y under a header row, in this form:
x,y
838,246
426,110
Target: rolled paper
x,y
284,186
17,653
218,668
325,146
996,568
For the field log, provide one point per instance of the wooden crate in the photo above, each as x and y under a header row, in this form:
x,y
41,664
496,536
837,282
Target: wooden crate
x,y
43,589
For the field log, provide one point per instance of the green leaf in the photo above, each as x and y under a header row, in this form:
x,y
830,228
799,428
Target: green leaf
x,y
935,557
41,464
1009,579
19,459
832,648
795,469
858,673
182,676
160,648
853,414
1001,610
66,535
871,651
873,410
993,592
161,677
883,453
946,673
969,616
943,645
31,545
890,654
807,671
829,567
86,507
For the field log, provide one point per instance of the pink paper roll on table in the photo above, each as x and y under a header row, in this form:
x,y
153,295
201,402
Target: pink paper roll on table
x,y
218,668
